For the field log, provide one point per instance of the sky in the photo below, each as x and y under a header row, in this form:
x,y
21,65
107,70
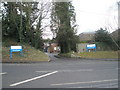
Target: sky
x,y
94,14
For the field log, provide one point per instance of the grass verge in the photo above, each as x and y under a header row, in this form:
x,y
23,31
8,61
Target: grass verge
x,y
99,55
30,54
93,55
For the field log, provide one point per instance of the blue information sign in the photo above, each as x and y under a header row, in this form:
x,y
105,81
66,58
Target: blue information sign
x,y
15,49
91,46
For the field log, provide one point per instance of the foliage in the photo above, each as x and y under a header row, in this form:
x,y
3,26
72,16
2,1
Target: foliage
x,y
8,21
102,46
17,23
118,39
104,37
63,25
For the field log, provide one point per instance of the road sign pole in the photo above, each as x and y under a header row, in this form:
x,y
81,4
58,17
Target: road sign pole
x,y
10,55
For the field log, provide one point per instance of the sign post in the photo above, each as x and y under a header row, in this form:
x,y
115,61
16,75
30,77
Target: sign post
x,y
91,46
15,49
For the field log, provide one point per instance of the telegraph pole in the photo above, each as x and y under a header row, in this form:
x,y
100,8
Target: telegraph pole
x,y
118,36
119,15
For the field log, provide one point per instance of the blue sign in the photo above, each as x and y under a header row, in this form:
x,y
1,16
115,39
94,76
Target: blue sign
x,y
91,46
15,49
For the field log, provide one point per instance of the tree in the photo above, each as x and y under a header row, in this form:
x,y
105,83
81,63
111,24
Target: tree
x,y
112,23
18,20
41,13
63,23
103,36
9,16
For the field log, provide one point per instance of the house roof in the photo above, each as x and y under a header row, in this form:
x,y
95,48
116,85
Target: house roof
x,y
87,36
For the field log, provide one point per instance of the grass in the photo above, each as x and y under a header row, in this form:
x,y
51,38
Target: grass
x,y
93,55
98,54
30,54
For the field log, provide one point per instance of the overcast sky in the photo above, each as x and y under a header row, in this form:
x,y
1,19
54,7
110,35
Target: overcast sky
x,y
93,14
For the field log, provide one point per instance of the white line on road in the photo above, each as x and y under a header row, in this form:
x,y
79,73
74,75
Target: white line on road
x,y
3,73
76,70
80,70
35,78
43,71
99,85
84,82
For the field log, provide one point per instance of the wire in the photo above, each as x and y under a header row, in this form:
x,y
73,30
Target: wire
x,y
95,13
113,38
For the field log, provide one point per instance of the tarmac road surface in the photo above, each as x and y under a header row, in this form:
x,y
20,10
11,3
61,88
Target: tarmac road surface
x,y
61,73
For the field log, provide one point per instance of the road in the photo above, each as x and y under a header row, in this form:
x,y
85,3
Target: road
x,y
61,73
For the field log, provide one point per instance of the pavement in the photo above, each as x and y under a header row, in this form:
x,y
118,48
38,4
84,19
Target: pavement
x,y
61,73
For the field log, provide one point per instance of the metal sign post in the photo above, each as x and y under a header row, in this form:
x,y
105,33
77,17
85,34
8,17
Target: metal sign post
x,y
15,49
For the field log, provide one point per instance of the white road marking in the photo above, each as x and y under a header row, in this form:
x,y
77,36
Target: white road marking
x,y
3,73
84,82
105,85
76,70
67,70
35,78
43,71
99,85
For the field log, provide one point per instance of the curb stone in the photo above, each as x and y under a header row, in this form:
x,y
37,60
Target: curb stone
x,y
26,61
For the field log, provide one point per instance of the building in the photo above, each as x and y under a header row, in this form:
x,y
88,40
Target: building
x,y
87,36
81,47
53,48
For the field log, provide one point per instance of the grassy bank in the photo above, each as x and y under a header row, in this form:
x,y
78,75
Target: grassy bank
x,y
30,54
93,55
98,54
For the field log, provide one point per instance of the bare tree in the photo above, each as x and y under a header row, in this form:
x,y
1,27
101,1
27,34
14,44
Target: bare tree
x,y
113,23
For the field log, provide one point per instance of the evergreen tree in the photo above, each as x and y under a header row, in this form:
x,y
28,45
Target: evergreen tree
x,y
63,20
10,21
104,37
17,20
